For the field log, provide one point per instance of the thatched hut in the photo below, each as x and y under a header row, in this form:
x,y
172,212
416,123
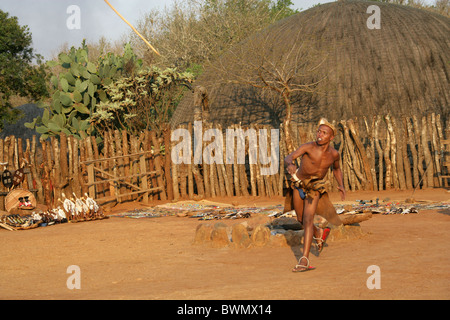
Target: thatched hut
x,y
402,68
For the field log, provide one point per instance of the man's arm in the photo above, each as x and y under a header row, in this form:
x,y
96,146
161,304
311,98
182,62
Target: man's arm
x,y
337,172
289,160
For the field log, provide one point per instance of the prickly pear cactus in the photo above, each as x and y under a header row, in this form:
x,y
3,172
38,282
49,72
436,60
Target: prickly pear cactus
x,y
143,101
78,88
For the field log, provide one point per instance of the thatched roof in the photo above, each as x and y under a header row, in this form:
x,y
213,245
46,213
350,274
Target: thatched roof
x,y
401,68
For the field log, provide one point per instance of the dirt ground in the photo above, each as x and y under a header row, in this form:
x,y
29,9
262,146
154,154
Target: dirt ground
x,y
154,258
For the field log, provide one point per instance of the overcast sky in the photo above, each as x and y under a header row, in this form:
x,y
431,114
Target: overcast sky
x,y
47,19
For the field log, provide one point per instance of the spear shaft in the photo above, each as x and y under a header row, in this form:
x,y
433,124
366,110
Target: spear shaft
x,y
134,29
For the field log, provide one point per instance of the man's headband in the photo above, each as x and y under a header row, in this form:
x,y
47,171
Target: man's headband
x,y
325,122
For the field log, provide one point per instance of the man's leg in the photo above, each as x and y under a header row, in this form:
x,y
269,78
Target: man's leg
x,y
305,210
298,205
308,225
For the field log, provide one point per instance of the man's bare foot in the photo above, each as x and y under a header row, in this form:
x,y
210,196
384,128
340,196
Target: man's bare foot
x,y
303,265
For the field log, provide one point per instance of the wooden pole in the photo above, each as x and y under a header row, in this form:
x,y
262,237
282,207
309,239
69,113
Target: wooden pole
x,y
406,162
34,170
212,171
11,153
45,173
90,167
182,176
375,129
253,170
225,169
127,164
2,168
120,163
368,181
446,155
168,165
371,153
281,176
344,165
427,154
435,154
70,175
274,178
352,160
64,163
220,168
83,167
400,166
107,165
243,182
387,161
190,165
176,190
14,153
265,179
134,169
20,156
114,164
420,155
29,175
144,183
133,28
413,148
78,176
56,173
149,162
393,151
158,164
441,148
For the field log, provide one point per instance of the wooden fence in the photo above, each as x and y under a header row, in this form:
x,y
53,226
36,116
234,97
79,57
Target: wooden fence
x,y
382,153
126,167
376,154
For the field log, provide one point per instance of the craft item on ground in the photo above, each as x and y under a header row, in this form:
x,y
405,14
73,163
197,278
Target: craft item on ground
x,y
201,211
84,209
25,203
13,200
15,222
280,214
137,214
81,209
7,179
389,207
18,177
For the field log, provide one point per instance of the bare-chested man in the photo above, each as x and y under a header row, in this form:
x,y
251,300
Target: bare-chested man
x,y
316,158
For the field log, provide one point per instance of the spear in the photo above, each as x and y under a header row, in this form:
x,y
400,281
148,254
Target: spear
x,y
134,29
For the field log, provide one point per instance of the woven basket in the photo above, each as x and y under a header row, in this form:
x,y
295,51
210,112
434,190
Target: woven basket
x,y
12,199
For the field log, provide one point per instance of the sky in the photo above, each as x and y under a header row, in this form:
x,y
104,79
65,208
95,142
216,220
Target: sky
x,y
53,23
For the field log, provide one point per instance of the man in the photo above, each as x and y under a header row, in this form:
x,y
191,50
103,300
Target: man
x,y
308,194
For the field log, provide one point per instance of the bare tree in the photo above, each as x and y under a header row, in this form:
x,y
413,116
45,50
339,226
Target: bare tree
x,y
191,32
273,70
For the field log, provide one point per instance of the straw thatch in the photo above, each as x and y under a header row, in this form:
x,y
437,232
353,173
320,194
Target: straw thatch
x,y
401,68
